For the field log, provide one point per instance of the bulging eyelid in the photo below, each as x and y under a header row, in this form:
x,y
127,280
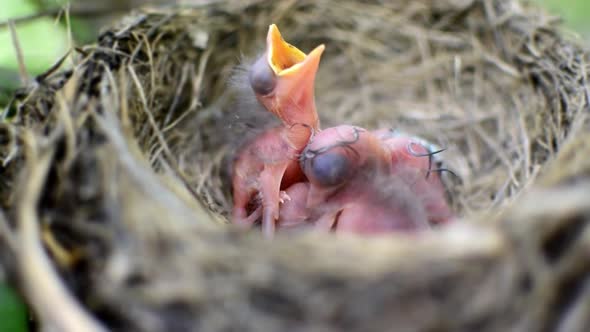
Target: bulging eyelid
x,y
309,153
262,78
330,169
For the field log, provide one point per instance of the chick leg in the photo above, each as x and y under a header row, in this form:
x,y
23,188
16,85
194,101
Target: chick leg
x,y
242,195
270,187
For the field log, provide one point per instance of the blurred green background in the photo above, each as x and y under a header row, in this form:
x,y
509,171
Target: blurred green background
x,y
576,13
45,39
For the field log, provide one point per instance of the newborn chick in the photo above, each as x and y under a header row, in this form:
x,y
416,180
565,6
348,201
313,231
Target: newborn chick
x,y
366,184
414,153
283,82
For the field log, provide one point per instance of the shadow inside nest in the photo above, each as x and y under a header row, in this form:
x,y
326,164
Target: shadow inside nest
x,y
116,183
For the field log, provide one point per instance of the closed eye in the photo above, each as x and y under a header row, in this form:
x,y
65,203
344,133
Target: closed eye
x,y
262,79
329,169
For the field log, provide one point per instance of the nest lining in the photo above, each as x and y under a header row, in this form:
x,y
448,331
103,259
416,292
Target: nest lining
x,y
105,162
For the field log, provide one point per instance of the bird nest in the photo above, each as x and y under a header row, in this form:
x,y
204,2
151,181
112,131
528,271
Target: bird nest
x,y
115,183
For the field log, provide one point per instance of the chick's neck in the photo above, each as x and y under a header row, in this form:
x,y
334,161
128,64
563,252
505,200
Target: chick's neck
x,y
298,135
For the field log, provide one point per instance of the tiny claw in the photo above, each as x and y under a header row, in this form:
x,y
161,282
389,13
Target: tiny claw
x,y
284,197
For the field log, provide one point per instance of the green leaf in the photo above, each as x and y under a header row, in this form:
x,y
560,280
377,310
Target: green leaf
x,y
43,41
13,312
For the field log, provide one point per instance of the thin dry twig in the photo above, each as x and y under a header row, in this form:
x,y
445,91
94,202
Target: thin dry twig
x,y
49,296
22,68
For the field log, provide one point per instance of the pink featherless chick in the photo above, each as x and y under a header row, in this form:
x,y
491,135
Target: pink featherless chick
x,y
283,82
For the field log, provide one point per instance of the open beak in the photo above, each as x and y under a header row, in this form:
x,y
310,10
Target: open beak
x,y
295,72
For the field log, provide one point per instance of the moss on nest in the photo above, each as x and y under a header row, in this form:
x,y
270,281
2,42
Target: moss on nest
x,y
119,170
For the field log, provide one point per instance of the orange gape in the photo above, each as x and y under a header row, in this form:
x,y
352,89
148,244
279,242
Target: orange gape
x,y
283,81
366,183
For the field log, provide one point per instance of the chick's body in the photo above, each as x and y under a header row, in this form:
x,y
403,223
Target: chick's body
x,y
264,166
283,82
366,183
